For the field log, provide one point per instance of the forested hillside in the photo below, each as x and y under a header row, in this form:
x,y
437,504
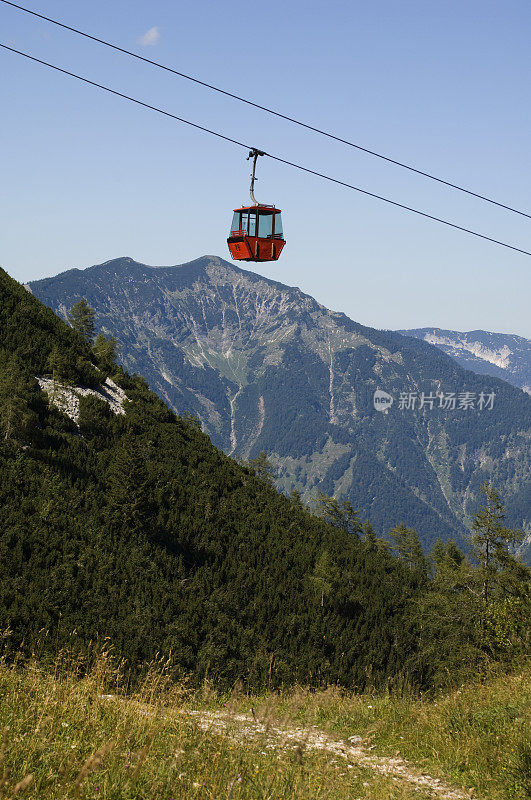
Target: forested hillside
x,y
140,530
135,527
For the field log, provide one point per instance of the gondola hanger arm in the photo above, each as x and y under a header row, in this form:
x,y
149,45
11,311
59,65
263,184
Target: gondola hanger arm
x,y
254,155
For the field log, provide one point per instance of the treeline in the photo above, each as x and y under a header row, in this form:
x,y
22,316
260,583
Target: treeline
x,y
472,610
137,529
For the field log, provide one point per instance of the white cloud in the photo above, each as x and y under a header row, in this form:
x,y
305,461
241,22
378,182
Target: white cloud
x,y
150,37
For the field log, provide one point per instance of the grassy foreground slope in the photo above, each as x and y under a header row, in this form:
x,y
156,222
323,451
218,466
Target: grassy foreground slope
x,y
476,737
66,737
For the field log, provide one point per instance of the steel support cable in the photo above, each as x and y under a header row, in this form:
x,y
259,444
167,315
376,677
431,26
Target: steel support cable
x,y
269,155
268,110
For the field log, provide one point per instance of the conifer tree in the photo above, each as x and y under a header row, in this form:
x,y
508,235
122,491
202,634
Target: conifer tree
x,y
371,541
296,499
438,552
58,365
339,514
323,576
192,420
263,468
408,548
105,348
491,539
369,535
446,556
81,318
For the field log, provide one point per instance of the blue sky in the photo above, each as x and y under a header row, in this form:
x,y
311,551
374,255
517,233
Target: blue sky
x,y
86,177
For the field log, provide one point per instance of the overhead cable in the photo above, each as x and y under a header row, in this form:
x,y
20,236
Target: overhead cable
x,y
269,110
269,155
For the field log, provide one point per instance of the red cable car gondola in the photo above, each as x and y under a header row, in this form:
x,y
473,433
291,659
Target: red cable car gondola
x,y
256,231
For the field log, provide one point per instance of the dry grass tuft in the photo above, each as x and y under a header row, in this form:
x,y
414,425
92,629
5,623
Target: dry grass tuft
x,y
23,784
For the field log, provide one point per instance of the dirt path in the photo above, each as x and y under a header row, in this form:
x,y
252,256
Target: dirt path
x,y
243,727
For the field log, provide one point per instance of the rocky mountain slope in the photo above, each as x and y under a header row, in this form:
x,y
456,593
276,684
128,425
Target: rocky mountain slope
x,y
266,367
501,355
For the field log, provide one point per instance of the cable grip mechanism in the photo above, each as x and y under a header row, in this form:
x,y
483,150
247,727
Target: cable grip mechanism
x,y
254,155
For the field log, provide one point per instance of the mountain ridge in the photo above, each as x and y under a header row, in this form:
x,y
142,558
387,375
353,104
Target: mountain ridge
x,y
502,355
266,367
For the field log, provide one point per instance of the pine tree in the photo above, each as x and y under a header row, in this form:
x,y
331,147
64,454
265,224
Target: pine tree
x,y
339,514
263,468
408,548
323,577
504,579
193,421
371,541
296,499
449,644
81,318
105,348
438,553
491,539
446,556
58,365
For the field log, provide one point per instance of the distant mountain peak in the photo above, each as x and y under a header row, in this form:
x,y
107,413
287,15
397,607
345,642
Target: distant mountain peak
x,y
502,355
